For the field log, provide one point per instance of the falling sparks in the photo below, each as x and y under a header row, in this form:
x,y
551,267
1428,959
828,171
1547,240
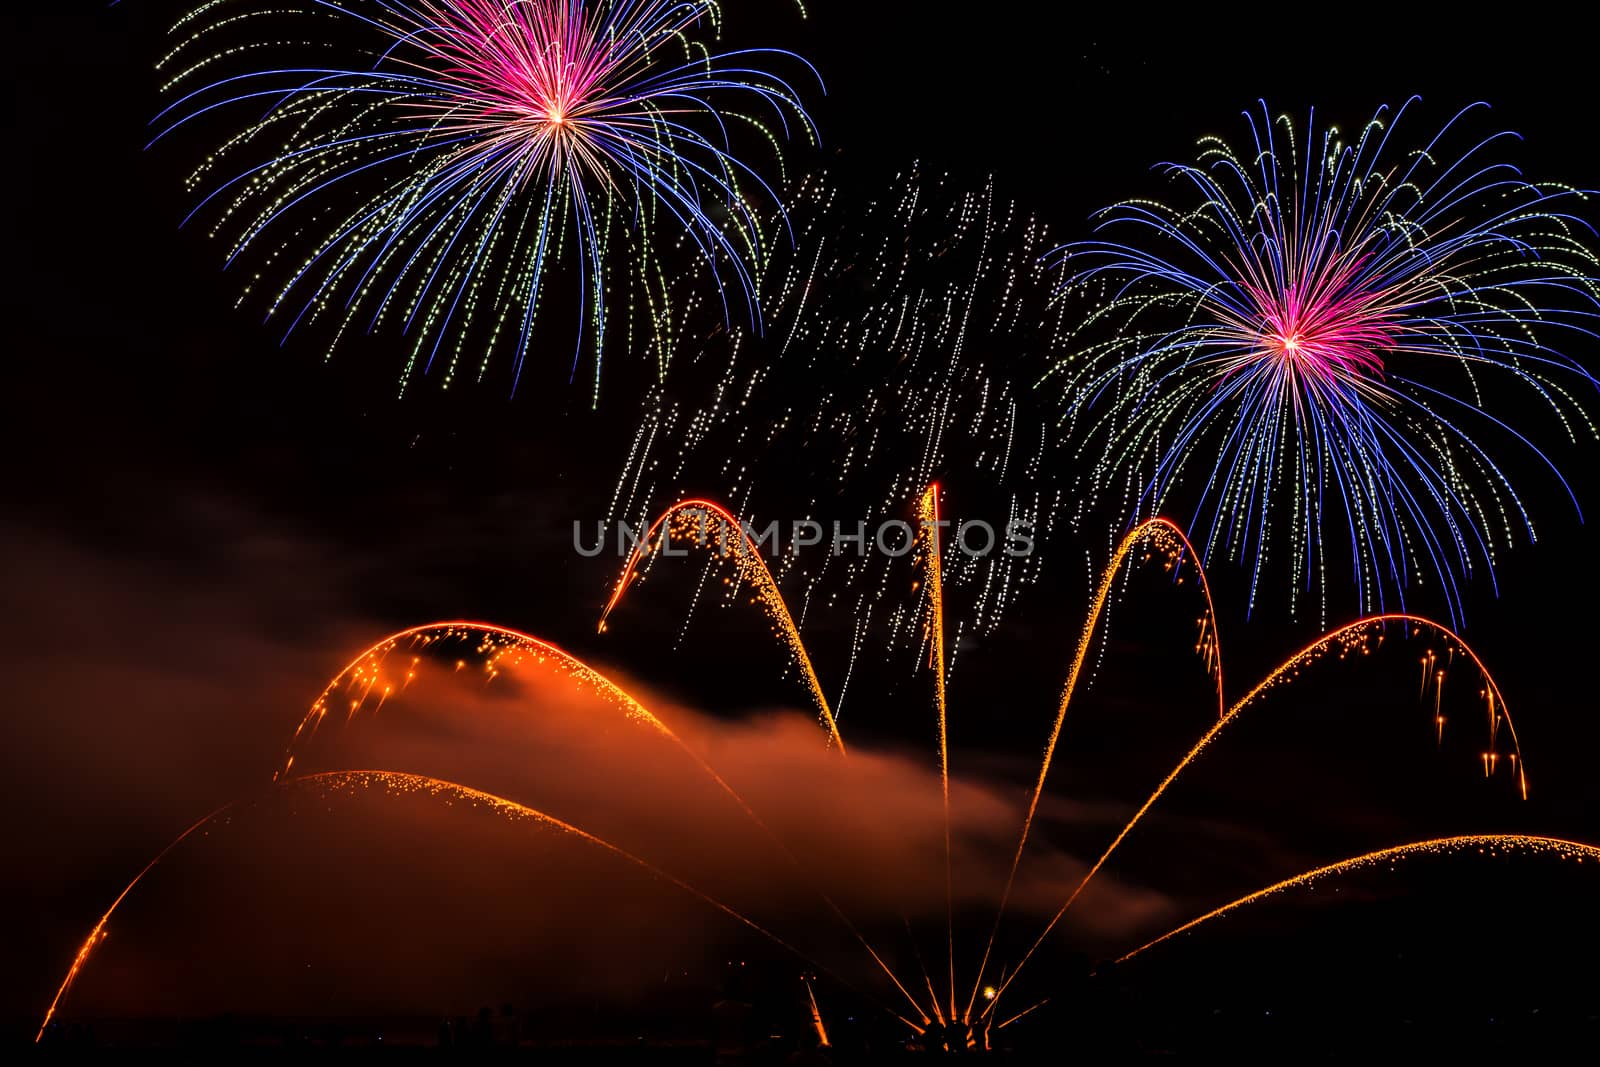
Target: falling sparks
x,y
895,324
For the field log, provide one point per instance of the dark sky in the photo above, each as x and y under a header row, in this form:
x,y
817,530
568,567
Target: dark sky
x,y
200,525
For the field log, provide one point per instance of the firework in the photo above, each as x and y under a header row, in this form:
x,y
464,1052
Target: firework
x,y
690,519
395,783
1326,338
1483,844
1164,540
389,666
896,322
1157,541
816,1016
431,165
1358,638
928,524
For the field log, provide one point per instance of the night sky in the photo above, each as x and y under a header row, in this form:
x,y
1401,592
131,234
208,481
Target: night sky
x,y
200,526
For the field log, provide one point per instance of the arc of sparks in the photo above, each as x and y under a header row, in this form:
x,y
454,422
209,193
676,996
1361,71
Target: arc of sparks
x,y
401,782
1209,644
751,567
363,674
1482,842
98,933
1345,638
928,520
748,553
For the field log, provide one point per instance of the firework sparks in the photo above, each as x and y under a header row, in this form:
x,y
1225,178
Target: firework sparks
x,y
1357,638
1023,1013
391,664
1169,543
396,783
933,566
1314,335
895,323
689,520
98,933
1488,844
386,668
437,177
816,1016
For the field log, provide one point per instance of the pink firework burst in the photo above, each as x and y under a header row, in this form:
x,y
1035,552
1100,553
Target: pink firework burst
x,y
470,147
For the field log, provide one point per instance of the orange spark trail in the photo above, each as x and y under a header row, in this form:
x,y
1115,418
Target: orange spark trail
x,y
1025,1011
504,648
1171,540
928,520
751,567
397,783
1346,639
98,934
816,1017
1482,842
